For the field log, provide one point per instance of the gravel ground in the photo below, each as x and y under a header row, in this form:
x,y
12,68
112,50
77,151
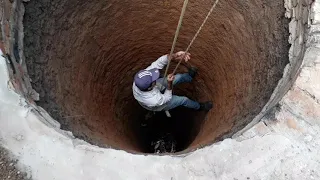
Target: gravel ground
x,y
8,168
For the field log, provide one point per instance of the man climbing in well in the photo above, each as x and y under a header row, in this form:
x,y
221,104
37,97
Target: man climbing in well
x,y
147,87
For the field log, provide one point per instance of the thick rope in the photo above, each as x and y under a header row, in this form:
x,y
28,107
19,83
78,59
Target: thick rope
x,y
183,10
196,35
184,7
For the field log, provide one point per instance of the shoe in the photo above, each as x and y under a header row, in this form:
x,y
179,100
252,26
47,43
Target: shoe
x,y
193,71
206,106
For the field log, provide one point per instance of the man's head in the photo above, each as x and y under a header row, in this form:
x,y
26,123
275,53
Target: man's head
x,y
144,79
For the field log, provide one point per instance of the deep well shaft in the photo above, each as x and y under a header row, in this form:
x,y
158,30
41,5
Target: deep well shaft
x,y
82,56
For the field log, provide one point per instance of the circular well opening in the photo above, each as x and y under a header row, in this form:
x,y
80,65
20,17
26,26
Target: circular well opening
x,y
81,57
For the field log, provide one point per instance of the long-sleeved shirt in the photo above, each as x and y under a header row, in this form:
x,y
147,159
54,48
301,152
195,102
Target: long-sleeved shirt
x,y
153,100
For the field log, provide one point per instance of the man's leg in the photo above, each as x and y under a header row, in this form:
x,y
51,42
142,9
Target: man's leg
x,y
179,78
181,101
182,78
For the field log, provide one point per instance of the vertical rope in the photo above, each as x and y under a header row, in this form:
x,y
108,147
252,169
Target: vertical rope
x,y
196,35
183,10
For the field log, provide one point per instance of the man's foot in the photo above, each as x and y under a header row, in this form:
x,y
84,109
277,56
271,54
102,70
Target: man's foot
x,y
206,106
192,71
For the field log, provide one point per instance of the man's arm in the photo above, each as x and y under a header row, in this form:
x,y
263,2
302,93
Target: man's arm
x,y
163,60
159,63
166,97
170,80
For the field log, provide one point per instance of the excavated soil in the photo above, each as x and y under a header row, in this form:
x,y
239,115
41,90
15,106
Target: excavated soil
x,y
82,56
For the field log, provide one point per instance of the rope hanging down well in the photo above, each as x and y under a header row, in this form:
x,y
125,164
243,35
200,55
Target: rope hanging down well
x,y
177,33
183,10
196,35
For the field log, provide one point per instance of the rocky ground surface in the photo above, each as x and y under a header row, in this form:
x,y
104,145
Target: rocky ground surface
x,y
8,168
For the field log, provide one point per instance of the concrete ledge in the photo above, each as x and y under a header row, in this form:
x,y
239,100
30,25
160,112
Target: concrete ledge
x,y
283,146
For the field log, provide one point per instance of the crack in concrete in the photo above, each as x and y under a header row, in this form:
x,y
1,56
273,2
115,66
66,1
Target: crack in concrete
x,y
306,92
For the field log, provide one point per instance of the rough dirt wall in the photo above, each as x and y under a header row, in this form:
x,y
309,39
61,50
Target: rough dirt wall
x,y
75,51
